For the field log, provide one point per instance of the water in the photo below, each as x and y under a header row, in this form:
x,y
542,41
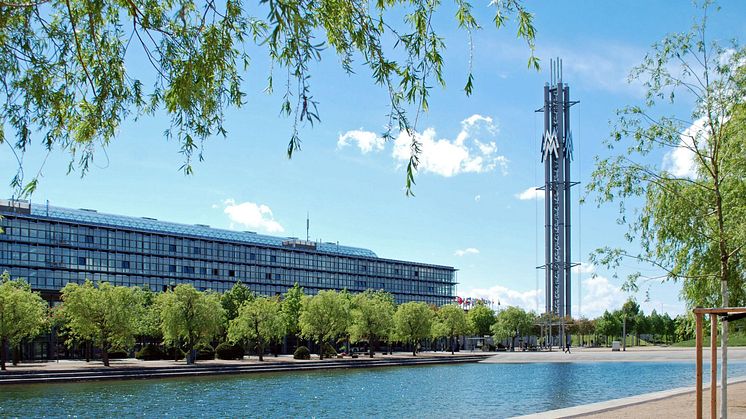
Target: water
x,y
467,390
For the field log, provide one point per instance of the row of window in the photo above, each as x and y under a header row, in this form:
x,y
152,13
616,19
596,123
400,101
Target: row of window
x,y
120,241
42,279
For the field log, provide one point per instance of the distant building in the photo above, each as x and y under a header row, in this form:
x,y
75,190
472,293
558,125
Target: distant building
x,y
50,246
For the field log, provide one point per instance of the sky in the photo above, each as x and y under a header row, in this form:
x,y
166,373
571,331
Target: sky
x,y
474,209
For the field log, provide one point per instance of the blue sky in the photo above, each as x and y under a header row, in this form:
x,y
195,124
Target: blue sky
x,y
481,153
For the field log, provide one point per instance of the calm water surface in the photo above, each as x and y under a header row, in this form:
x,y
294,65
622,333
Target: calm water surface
x,y
470,390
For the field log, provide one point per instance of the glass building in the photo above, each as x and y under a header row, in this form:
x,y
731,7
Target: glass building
x,y
50,246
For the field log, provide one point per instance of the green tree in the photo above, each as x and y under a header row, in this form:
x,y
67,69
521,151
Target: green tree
x,y
82,86
657,325
413,322
323,318
450,322
690,225
23,314
190,317
260,321
608,324
234,298
372,317
584,327
149,322
512,323
481,318
291,309
103,313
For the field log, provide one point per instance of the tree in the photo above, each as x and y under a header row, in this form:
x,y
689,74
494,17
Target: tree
x,y
148,322
372,317
69,78
628,316
690,225
480,319
413,322
103,313
23,314
291,309
322,318
584,327
234,298
260,321
657,325
190,317
608,324
451,322
512,323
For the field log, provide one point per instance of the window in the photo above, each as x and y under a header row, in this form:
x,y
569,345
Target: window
x,y
203,271
171,247
231,273
273,258
89,239
172,268
188,269
216,272
268,275
252,256
417,273
125,264
81,260
196,250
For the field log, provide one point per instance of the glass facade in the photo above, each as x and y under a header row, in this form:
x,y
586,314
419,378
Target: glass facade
x,y
51,246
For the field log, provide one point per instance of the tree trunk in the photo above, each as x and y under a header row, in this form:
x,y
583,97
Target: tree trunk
x,y
450,340
105,356
260,349
321,349
371,347
3,353
16,355
87,350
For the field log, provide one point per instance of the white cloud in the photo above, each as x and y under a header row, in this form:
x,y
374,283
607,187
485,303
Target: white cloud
x,y
680,161
477,198
467,153
530,193
467,251
251,215
584,268
508,297
366,141
598,295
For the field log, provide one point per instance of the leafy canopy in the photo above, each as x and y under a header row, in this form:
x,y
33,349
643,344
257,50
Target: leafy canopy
x,y
71,76
259,320
413,322
23,313
689,223
513,321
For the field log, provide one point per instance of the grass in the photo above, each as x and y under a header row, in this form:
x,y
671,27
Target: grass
x,y
733,340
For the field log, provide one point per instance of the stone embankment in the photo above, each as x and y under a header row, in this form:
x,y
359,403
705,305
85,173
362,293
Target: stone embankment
x,y
132,369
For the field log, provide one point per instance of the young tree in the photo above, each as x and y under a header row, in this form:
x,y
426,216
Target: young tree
x,y
584,327
322,318
512,323
450,323
190,316
260,321
413,322
23,314
608,324
690,225
83,83
481,318
104,314
234,298
372,317
291,309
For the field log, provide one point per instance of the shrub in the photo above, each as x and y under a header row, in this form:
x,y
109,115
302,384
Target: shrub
x,y
150,353
227,351
205,353
302,353
118,355
329,351
174,353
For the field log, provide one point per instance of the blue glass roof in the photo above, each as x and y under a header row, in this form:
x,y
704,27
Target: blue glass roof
x,y
150,224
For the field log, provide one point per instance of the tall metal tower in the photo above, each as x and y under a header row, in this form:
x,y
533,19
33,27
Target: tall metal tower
x,y
556,154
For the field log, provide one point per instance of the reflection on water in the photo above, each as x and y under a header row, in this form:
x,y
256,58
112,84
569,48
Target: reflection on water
x,y
473,390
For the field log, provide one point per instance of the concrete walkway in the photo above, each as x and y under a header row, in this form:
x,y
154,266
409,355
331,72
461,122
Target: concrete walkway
x,y
63,371
633,354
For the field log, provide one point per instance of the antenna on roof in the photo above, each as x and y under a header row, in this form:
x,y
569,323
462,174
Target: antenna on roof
x,y
308,225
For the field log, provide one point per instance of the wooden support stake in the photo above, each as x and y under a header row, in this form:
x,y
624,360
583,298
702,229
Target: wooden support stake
x,y
713,365
699,364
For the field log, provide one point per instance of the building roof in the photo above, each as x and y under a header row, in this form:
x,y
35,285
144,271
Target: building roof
x,y
197,230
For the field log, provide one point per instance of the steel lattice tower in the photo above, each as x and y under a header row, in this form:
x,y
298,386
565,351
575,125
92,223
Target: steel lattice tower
x,y
556,154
